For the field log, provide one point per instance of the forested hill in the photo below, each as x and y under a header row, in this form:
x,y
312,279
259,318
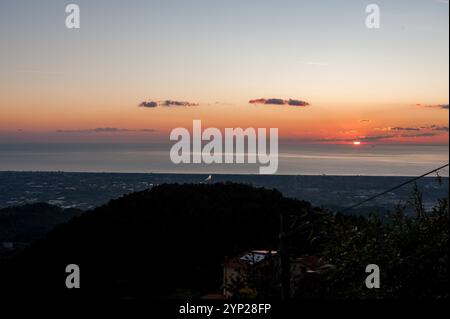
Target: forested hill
x,y
29,222
171,241
157,242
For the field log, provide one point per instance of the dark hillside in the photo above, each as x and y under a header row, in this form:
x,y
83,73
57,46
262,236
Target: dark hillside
x,y
29,222
155,243
171,241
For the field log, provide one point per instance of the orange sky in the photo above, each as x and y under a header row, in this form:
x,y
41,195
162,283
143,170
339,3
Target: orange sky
x,y
221,55
314,123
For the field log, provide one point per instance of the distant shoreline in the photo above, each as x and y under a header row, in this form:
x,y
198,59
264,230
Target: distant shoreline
x,y
208,173
86,190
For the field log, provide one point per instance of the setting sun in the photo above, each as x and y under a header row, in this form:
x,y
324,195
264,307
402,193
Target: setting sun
x,y
356,143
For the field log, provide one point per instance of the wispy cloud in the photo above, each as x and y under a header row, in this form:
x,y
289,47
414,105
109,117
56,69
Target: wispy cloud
x,y
389,133
435,106
405,128
436,128
177,103
148,104
372,138
153,104
107,130
420,135
433,127
276,101
378,138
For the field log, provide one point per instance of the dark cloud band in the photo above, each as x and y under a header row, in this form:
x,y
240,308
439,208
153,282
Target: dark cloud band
x,y
107,130
275,101
153,104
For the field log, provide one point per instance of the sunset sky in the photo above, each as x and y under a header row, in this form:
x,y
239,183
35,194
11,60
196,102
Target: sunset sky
x,y
387,85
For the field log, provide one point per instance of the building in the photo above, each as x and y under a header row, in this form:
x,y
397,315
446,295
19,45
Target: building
x,y
249,271
258,271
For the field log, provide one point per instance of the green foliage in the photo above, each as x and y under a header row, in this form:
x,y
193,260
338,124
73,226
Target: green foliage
x,y
412,253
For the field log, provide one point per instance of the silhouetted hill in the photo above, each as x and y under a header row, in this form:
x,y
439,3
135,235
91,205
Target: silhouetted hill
x,y
154,243
30,222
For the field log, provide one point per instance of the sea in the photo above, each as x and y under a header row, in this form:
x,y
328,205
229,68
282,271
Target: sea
x,y
335,177
293,159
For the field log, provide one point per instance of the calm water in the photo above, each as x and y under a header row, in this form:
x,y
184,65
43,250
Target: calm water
x,y
389,160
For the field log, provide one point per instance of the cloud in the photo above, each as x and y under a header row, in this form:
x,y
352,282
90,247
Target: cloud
x,y
436,106
419,135
436,128
275,101
107,130
177,103
297,103
433,127
148,104
405,128
364,121
153,104
375,138
258,101
386,133
381,137
372,138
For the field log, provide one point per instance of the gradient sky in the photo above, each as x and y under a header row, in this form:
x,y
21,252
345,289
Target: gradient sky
x,y
61,85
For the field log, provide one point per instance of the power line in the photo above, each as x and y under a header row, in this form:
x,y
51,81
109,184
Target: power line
x,y
393,188
283,251
300,228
